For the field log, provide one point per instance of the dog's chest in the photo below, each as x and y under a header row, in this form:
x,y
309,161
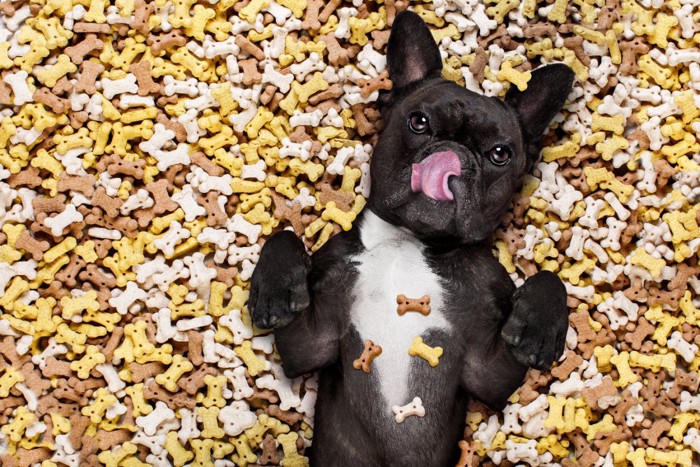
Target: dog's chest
x,y
393,264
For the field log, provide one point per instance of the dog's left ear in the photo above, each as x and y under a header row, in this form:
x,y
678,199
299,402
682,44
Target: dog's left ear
x,y
542,100
412,54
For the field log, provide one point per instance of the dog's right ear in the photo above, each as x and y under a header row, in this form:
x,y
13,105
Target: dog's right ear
x,y
412,54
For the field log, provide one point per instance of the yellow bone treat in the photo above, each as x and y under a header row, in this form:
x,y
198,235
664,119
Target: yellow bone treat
x,y
429,354
255,365
179,366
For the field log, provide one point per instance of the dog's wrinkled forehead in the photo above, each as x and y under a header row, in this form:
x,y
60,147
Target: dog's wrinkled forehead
x,y
455,111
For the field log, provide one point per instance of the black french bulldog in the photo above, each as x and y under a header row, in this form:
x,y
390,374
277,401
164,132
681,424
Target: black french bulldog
x,y
443,173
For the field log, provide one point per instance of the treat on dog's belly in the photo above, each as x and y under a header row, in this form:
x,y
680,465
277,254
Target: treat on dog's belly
x,y
393,264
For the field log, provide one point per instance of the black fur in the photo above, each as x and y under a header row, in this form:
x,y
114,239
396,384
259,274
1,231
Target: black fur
x,y
498,331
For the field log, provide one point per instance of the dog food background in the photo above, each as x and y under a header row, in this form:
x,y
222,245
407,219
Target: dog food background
x,y
148,149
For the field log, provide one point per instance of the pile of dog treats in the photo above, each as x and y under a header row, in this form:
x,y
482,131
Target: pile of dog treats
x,y
148,149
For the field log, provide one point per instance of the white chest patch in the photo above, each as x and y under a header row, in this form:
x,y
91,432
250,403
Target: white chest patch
x,y
393,264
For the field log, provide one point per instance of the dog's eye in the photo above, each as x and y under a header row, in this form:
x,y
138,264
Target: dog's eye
x,y
418,122
500,155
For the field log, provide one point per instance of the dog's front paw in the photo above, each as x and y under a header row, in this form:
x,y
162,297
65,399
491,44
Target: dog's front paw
x,y
279,285
536,329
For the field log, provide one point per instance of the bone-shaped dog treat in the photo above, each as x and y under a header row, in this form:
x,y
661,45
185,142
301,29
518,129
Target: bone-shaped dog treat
x,y
430,354
370,352
421,305
415,407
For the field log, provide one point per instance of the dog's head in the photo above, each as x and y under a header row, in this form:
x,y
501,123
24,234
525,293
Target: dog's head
x,y
449,160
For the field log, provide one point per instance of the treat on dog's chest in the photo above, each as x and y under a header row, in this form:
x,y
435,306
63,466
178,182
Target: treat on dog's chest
x,y
415,407
420,305
420,349
370,352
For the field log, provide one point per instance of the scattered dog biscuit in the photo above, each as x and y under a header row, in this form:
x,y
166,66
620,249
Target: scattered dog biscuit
x,y
370,352
420,305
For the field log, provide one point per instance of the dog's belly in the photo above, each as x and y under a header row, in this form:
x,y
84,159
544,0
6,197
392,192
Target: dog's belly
x,y
394,264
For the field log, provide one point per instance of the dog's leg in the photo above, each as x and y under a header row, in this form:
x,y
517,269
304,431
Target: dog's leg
x,y
281,298
527,331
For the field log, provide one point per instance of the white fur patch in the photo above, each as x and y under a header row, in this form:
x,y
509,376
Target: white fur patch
x,y
393,264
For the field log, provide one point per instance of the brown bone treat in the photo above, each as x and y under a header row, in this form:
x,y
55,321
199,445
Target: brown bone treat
x,y
213,169
88,45
337,55
142,371
249,47
215,216
580,322
84,184
468,456
368,86
88,76
7,8
194,346
606,17
174,126
575,43
78,119
163,203
287,416
46,205
652,434
641,137
8,349
601,339
108,439
657,296
684,380
33,456
585,455
652,388
192,382
32,246
362,124
267,94
262,397
96,276
251,75
570,363
28,177
269,454
342,200
333,92
603,441
78,424
620,409
479,64
226,275
63,87
664,171
142,71
143,10
311,22
370,352
57,104
420,305
111,345
661,406
640,333
175,401
65,391
539,30
69,273
88,28
110,204
165,41
329,9
630,50
595,394
683,273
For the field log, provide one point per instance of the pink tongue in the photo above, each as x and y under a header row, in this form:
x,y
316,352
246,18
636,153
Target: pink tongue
x,y
431,174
